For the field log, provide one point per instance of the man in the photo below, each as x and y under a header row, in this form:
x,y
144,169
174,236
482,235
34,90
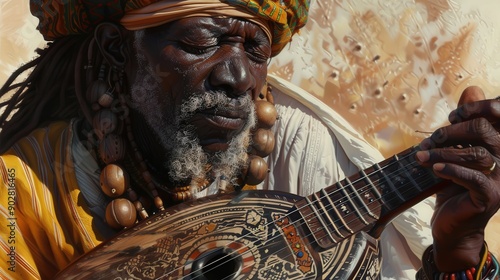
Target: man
x,y
119,121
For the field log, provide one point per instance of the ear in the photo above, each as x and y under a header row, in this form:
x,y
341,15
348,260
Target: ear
x,y
111,39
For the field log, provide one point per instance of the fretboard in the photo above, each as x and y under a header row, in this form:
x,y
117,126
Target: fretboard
x,y
368,200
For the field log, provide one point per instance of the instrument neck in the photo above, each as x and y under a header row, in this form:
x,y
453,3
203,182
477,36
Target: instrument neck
x,y
367,200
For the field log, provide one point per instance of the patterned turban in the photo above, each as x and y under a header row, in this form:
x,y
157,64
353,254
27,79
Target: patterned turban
x,y
60,18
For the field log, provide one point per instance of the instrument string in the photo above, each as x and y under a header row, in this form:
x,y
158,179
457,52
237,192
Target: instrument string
x,y
303,220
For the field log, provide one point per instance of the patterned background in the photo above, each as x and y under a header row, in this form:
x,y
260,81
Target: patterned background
x,y
393,68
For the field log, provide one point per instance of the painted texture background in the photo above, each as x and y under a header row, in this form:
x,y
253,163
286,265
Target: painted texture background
x,y
393,68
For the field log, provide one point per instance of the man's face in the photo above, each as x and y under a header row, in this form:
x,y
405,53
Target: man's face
x,y
193,87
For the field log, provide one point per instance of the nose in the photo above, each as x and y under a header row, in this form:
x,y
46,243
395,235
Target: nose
x,y
233,76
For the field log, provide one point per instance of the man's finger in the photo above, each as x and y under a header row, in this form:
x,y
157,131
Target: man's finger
x,y
471,94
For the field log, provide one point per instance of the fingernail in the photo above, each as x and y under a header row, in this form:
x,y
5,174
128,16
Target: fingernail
x,y
438,166
422,156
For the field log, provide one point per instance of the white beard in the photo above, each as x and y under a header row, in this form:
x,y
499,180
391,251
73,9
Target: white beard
x,y
187,160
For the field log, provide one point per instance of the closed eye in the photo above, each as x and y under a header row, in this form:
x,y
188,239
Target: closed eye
x,y
257,55
197,49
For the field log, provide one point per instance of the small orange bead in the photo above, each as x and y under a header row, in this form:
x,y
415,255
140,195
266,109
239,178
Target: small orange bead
x,y
469,274
120,213
159,203
140,209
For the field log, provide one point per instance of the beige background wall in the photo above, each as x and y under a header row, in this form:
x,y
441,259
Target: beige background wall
x,y
393,68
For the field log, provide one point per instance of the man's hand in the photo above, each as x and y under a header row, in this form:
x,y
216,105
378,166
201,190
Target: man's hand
x,y
467,153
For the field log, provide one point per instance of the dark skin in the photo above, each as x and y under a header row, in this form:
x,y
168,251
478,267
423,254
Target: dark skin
x,y
231,55
464,208
220,54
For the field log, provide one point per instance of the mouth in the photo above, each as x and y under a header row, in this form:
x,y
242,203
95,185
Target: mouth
x,y
215,128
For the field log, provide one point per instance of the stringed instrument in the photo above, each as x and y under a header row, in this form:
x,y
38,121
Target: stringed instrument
x,y
330,234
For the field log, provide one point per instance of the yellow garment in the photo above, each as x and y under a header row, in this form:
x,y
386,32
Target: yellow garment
x,y
44,221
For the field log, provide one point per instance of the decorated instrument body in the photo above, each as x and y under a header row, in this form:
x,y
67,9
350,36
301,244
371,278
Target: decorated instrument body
x,y
247,236
331,234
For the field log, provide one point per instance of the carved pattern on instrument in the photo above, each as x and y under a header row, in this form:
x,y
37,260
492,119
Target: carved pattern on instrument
x,y
353,258
138,268
369,264
295,242
278,269
257,224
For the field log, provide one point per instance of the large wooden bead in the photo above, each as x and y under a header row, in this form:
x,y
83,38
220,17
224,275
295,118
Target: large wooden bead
x,y
96,90
263,142
112,148
114,180
105,122
121,213
256,171
266,113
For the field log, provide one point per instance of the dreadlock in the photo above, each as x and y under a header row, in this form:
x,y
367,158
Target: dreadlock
x,y
46,95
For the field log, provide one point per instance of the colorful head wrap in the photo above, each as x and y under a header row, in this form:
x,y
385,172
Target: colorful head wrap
x,y
60,18
162,12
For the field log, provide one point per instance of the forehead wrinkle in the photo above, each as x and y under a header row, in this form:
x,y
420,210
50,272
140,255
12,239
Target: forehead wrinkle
x,y
222,26
204,24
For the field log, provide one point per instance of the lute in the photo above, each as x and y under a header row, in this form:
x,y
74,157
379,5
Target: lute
x,y
330,234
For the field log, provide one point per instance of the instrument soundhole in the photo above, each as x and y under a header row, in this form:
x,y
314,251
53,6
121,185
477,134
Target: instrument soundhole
x,y
218,264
